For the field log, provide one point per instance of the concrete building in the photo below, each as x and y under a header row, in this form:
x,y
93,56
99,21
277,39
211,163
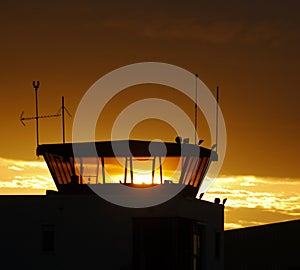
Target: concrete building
x,y
74,228
267,247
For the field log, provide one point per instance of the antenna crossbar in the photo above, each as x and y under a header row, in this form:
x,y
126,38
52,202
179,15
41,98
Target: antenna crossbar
x,y
22,119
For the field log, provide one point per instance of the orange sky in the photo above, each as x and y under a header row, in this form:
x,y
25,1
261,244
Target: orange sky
x,y
249,48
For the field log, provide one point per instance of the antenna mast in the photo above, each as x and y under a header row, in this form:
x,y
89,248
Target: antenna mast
x,y
36,86
217,118
63,109
196,107
63,117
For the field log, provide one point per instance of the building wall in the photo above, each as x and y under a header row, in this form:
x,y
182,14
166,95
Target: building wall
x,y
86,232
268,247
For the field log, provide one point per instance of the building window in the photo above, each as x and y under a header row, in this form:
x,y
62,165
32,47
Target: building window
x,y
48,239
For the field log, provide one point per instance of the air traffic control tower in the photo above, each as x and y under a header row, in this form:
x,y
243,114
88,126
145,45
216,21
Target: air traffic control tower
x,y
109,210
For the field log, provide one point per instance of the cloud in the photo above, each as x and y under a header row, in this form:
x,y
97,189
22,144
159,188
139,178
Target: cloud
x,y
245,217
208,31
272,32
24,177
179,29
253,200
15,168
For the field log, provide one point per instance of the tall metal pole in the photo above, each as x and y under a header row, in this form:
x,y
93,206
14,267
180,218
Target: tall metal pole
x,y
196,108
217,118
63,117
36,86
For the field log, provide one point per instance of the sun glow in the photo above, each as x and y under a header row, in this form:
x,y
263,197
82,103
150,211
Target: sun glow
x,y
142,177
126,170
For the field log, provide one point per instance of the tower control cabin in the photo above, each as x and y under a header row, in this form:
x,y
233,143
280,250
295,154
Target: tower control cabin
x,y
118,205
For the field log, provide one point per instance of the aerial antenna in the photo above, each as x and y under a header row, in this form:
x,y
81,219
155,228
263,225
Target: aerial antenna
x,y
217,118
63,117
62,111
196,107
36,86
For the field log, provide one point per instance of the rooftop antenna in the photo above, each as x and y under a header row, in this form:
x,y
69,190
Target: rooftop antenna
x,y
36,85
217,118
63,109
196,107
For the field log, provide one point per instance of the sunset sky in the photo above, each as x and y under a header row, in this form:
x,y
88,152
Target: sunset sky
x,y
250,49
